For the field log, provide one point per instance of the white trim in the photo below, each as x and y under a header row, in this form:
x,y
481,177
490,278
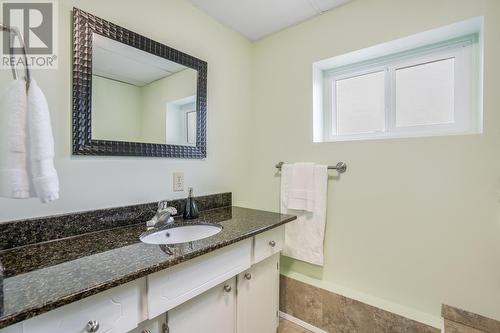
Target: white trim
x,y
301,323
318,120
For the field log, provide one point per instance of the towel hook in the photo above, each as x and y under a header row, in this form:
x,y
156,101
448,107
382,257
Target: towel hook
x,y
14,31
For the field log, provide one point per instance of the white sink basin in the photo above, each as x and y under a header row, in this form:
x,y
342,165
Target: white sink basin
x,y
180,234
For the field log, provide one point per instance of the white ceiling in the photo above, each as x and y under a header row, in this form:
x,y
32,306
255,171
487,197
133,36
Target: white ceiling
x,y
120,62
258,18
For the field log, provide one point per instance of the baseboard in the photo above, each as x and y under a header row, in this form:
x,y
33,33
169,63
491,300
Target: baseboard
x,y
301,323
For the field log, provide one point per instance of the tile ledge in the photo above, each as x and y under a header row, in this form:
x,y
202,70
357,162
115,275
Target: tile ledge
x,y
470,319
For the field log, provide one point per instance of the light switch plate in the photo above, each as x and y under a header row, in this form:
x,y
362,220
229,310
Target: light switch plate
x,y
178,182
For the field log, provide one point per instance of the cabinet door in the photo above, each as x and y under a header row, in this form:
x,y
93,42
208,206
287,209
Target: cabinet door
x,y
214,311
258,297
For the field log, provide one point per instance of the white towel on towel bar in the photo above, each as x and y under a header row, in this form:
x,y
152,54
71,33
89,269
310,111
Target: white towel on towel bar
x,y
304,193
300,193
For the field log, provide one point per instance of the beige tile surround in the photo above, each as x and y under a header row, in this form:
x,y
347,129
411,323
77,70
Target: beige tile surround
x,y
338,314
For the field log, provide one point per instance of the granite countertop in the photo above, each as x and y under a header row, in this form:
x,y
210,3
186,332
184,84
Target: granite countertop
x,y
41,277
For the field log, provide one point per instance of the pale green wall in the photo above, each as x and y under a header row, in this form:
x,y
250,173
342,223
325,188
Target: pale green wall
x,y
116,110
157,94
124,112
97,182
415,222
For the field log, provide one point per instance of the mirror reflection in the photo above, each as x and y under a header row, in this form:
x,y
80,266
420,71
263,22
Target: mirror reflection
x,y
140,97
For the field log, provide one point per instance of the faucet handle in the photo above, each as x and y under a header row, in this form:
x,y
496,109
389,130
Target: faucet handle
x,y
162,205
163,216
171,210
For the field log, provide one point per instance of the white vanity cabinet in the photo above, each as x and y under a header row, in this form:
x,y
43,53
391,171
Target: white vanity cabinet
x,y
258,297
172,287
247,303
234,289
211,312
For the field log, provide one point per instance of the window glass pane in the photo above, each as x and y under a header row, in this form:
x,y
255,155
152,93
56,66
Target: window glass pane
x,y
360,103
425,94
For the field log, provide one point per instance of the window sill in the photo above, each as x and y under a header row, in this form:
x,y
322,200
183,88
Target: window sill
x,y
386,136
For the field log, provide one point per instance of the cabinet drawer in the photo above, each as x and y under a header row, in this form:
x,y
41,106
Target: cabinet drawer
x,y
116,310
268,243
174,286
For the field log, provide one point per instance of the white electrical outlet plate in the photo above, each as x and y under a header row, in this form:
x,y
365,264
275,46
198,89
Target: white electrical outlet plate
x,y
178,181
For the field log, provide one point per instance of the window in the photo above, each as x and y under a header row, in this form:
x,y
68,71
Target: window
x,y
352,114
422,90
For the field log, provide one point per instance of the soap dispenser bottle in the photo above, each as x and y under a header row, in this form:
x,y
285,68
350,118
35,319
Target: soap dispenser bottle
x,y
190,210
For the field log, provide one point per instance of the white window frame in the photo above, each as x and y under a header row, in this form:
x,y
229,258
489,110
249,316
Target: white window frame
x,y
462,51
404,49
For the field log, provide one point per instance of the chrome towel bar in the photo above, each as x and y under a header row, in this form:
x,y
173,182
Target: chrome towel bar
x,y
341,167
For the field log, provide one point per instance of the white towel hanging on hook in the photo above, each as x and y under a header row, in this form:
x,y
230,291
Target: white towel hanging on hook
x,y
27,143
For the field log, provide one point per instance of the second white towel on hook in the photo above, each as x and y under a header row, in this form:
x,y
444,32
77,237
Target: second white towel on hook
x,y
14,178
304,193
44,178
26,145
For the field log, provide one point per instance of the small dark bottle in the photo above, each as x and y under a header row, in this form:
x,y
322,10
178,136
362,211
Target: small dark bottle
x,y
190,210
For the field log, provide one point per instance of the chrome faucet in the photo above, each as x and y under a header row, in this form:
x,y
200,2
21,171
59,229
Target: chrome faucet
x,y
163,217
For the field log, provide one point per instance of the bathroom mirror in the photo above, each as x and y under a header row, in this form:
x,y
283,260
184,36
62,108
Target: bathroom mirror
x,y
134,96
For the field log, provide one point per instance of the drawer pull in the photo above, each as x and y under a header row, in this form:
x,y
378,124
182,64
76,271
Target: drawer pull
x,y
272,243
227,288
248,276
92,326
